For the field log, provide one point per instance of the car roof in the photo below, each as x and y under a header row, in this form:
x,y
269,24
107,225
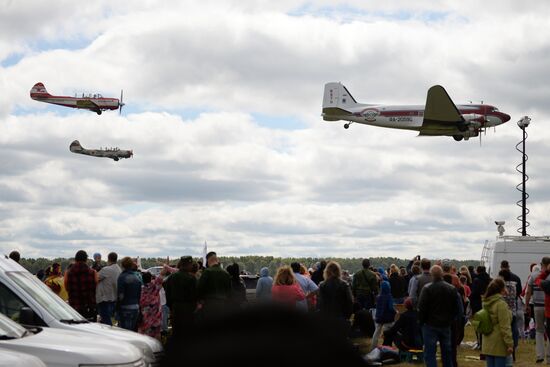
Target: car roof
x,y
7,264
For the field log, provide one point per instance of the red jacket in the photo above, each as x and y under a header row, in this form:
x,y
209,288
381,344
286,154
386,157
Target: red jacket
x,y
543,276
288,294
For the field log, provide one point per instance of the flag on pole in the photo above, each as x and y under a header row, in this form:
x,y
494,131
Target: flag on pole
x,y
204,252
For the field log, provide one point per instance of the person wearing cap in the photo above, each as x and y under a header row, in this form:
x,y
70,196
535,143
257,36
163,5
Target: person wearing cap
x,y
181,296
56,281
214,288
96,265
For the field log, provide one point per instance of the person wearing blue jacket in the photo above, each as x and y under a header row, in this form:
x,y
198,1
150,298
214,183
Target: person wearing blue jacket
x,y
263,287
129,294
385,312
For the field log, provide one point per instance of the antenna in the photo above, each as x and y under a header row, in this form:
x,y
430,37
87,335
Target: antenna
x,y
521,168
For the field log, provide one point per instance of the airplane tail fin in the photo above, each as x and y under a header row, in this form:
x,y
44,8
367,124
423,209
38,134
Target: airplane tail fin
x,y
39,90
337,100
75,146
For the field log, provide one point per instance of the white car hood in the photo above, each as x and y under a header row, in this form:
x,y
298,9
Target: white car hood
x,y
151,347
58,347
14,359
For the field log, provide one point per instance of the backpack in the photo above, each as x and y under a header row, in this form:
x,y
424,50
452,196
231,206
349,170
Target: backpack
x,y
482,322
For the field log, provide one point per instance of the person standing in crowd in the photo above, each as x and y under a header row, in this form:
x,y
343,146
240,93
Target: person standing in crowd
x,y
364,286
237,298
96,265
420,280
264,285
398,285
308,286
106,292
286,289
535,295
504,265
511,299
385,312
56,282
479,287
448,269
437,310
214,287
149,304
317,276
499,343
465,272
542,282
457,326
415,271
182,297
129,294
335,299
405,332
15,256
81,286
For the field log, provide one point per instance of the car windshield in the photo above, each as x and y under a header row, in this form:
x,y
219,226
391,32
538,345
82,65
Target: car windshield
x,y
9,329
45,297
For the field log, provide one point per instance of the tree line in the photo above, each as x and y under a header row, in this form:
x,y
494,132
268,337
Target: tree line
x,y
250,264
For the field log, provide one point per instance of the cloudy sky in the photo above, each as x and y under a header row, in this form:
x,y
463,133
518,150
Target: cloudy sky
x,y
223,103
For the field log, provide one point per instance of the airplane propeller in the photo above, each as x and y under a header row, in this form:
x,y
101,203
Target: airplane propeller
x,y
120,104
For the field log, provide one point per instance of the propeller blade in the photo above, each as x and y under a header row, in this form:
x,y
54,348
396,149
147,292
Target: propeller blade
x,y
121,103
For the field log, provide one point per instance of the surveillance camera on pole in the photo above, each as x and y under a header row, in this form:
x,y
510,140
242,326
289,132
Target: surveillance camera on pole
x,y
524,122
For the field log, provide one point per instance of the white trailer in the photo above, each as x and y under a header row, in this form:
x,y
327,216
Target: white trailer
x,y
520,251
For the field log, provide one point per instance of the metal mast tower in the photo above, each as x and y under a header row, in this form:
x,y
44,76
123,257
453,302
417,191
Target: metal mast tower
x,y
521,168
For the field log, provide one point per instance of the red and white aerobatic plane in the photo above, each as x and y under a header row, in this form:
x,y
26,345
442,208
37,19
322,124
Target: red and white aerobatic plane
x,y
439,117
93,102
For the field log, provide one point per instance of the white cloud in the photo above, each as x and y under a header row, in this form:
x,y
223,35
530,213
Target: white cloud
x,y
247,188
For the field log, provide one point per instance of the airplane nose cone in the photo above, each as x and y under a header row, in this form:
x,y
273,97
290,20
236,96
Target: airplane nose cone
x,y
505,117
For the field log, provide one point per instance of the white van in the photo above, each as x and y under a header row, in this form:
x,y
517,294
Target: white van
x,y
15,359
57,347
520,252
26,299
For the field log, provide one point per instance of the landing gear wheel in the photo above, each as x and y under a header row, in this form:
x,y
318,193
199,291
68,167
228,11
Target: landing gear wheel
x,y
98,112
458,137
346,126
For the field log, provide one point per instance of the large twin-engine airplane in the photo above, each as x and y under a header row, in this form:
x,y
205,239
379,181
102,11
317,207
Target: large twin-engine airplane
x,y
113,153
439,117
93,102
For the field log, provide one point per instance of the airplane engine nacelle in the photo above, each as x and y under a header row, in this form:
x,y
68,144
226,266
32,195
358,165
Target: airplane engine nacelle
x,y
474,117
470,133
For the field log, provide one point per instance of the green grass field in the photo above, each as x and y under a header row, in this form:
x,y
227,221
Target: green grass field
x,y
525,355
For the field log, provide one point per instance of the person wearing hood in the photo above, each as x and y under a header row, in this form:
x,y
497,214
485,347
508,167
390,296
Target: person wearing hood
x,y
499,343
385,312
263,287
81,285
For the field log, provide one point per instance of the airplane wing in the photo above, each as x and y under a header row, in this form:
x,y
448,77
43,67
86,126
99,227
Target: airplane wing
x,y
441,116
86,103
